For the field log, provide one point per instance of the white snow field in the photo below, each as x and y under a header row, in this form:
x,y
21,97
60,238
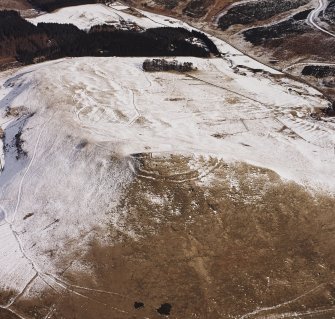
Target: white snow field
x,y
81,118
86,16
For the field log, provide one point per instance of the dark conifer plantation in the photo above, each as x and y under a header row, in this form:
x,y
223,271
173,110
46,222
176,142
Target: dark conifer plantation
x,y
51,5
18,35
30,43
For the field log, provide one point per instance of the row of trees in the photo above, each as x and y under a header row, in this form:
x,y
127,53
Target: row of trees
x,y
157,65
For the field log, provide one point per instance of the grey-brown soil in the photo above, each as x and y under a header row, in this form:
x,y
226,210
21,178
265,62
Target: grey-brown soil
x,y
234,242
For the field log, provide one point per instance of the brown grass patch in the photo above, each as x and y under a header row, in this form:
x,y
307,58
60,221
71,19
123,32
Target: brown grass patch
x,y
219,246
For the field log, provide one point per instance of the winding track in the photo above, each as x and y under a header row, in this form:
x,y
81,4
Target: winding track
x,y
315,13
28,168
276,307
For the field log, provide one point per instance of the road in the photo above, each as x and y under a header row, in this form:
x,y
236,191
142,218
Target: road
x,y
314,15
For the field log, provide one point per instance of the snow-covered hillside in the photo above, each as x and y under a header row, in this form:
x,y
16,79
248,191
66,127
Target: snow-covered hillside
x,y
86,16
87,109
72,125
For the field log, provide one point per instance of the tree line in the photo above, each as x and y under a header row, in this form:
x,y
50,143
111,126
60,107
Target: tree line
x,y
51,5
29,43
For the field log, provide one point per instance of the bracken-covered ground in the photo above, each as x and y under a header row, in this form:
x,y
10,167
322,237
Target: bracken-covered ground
x,y
14,5
240,243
